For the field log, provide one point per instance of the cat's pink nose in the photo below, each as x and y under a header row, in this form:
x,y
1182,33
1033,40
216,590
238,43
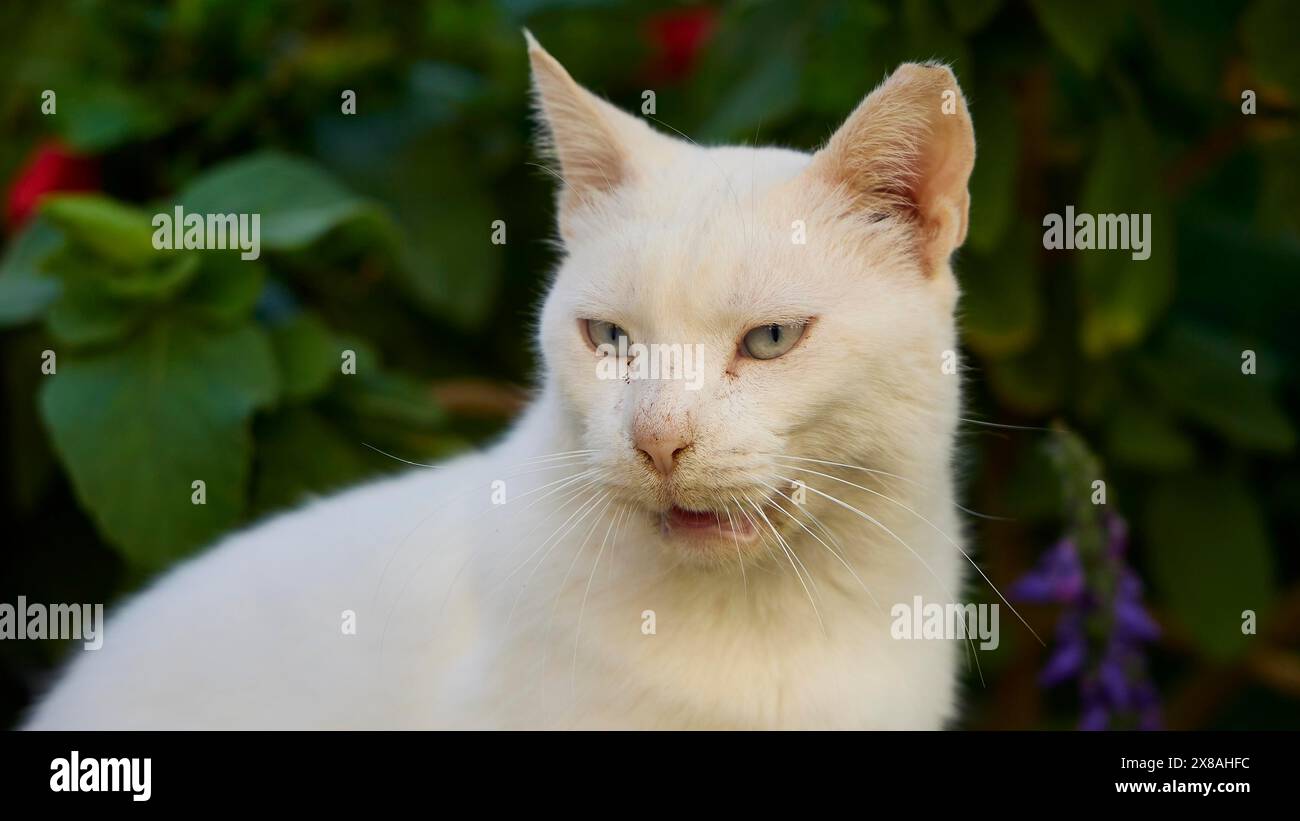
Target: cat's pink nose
x,y
661,449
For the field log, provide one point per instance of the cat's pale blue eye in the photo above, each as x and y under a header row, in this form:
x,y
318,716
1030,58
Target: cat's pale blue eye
x,y
771,341
601,332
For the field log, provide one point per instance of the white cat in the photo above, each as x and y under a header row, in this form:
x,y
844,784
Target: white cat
x,y
655,563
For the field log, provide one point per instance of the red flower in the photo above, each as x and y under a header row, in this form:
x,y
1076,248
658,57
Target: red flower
x,y
678,37
50,168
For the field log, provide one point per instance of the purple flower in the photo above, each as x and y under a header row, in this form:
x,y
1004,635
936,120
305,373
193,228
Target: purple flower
x,y
1113,678
1095,717
1117,535
1071,652
1101,633
1148,706
1132,622
1064,664
1058,577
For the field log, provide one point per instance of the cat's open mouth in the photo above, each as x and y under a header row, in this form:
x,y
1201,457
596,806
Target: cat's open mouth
x,y
706,523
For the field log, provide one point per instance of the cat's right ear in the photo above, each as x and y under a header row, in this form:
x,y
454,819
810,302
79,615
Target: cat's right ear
x,y
597,146
908,150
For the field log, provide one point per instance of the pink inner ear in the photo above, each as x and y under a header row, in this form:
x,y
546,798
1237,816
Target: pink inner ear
x,y
942,195
946,166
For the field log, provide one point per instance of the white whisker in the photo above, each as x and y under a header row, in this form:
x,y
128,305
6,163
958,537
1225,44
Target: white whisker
x,y
938,530
740,560
577,632
834,553
789,555
899,539
877,472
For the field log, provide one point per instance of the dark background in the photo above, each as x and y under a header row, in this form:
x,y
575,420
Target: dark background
x,y
375,239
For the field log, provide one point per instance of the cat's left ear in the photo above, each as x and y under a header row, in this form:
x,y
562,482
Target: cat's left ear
x,y
599,148
908,150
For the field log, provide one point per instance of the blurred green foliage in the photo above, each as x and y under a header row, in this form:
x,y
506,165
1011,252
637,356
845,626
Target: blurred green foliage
x,y
179,366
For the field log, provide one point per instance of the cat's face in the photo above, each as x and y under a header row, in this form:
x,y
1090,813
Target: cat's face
x,y
776,307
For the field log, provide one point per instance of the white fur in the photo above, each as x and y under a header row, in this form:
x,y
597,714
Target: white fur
x,y
468,616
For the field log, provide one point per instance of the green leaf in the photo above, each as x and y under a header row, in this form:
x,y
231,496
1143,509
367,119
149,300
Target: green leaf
x,y
108,262
768,92
993,182
1031,383
1000,307
1121,296
1200,373
434,95
95,118
308,356
925,32
116,232
135,426
1188,40
101,302
1034,492
301,453
447,260
156,282
226,288
1280,183
1084,31
25,293
392,398
969,16
367,358
1142,438
29,461
848,54
1268,31
298,202
85,315
1210,557
24,298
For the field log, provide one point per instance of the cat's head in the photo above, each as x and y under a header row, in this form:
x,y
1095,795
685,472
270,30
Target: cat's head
x,y
792,306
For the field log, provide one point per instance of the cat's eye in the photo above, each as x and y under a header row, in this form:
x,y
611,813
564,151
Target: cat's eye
x,y
771,341
599,332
